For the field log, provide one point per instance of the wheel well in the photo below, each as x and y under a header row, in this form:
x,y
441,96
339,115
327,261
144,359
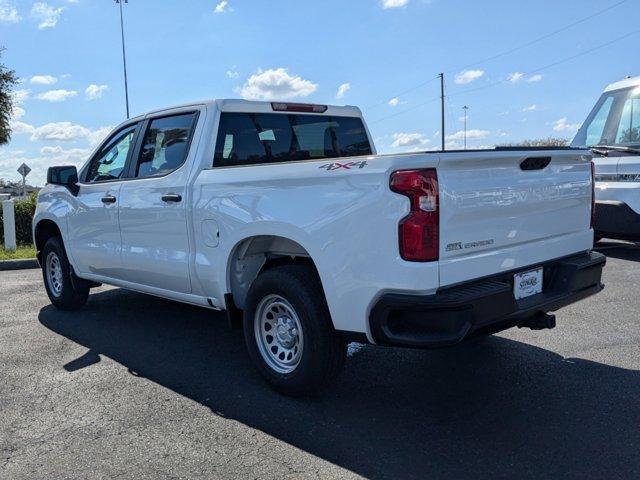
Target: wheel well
x,y
45,229
257,254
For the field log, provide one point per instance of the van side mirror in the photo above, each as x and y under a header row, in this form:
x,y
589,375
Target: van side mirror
x,y
67,176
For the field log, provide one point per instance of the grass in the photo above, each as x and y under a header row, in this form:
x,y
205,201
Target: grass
x,y
22,252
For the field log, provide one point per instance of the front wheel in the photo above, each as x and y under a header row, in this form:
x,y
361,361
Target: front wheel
x,y
288,331
65,290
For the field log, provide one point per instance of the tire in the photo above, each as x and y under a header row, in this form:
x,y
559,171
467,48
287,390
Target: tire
x,y
65,290
305,352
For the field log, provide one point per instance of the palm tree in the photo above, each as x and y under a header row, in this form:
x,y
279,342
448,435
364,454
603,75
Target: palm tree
x,y
8,79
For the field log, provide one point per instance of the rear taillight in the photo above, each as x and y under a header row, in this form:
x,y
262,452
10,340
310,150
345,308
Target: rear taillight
x,y
593,195
418,231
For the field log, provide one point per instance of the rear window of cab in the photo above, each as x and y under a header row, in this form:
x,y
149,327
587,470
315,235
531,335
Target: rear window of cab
x,y
256,138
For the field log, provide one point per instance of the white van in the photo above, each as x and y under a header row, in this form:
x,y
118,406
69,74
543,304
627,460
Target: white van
x,y
612,132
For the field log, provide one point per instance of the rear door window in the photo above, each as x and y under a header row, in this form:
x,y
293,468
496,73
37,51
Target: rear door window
x,y
165,145
255,138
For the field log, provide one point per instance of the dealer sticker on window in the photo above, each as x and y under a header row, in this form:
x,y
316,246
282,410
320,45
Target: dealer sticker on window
x,y
528,283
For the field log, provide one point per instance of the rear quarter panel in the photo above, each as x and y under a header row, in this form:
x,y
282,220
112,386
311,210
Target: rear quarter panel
x,y
346,219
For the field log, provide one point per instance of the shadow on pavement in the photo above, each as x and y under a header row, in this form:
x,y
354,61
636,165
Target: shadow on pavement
x,y
621,250
496,409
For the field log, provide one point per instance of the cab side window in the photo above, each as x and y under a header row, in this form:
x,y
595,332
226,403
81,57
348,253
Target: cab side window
x,y
109,162
165,145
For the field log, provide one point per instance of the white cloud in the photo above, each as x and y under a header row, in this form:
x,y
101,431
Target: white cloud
x,y
468,76
409,140
471,135
46,15
56,95
17,112
233,72
530,108
96,136
60,131
19,96
43,80
68,153
394,102
8,12
39,163
50,154
342,89
517,77
222,7
94,91
394,3
276,84
20,127
561,125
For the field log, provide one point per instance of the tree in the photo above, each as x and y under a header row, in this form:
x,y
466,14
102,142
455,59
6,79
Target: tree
x,y
630,135
541,142
8,80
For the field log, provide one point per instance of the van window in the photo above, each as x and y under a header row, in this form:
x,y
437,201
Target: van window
x,y
255,138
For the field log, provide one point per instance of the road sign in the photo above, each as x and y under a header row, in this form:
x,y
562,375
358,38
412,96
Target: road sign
x,y
24,169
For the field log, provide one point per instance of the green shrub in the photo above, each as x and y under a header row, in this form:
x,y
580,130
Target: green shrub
x,y
24,211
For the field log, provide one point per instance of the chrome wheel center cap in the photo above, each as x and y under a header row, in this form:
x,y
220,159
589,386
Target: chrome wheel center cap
x,y
286,332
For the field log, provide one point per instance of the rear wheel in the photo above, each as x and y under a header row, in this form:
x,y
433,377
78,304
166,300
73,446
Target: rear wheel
x,y
65,290
288,331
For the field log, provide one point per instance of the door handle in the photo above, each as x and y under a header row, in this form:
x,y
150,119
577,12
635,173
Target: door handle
x,y
108,199
171,197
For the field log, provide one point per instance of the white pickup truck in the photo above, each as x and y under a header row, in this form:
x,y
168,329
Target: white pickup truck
x,y
283,216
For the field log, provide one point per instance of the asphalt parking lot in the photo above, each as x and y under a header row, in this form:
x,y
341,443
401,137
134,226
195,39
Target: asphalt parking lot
x,y
137,387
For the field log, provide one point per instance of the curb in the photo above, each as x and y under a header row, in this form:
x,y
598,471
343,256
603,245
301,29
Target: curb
x,y
18,264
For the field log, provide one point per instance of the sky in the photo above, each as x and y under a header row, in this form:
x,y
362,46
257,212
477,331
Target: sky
x,y
525,69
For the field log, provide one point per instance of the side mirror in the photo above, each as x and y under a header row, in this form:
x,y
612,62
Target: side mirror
x,y
66,176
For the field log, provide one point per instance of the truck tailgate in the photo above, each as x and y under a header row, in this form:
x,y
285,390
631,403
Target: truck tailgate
x,y
503,210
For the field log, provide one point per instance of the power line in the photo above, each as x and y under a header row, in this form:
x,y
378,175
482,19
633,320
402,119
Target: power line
x,y
504,53
499,82
539,39
402,112
412,89
550,65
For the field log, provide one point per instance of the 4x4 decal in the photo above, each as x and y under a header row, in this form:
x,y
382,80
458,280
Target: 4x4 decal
x,y
346,166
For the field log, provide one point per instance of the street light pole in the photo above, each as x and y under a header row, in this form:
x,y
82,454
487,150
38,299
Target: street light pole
x,y
441,75
124,57
465,108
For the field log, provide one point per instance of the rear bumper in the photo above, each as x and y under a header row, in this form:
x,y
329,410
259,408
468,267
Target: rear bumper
x,y
485,306
616,219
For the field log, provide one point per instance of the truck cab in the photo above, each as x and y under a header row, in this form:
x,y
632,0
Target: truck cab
x,y
612,132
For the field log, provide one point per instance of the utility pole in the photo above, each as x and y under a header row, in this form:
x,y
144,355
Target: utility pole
x,y
124,57
442,108
465,108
